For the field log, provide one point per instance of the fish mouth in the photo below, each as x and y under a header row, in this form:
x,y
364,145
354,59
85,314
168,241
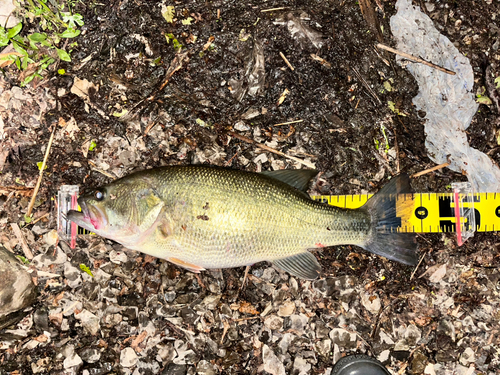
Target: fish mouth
x,y
90,218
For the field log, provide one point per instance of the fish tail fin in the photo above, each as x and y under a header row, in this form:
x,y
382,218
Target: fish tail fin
x,y
384,240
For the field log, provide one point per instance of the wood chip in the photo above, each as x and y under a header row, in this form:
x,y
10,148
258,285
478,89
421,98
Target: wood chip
x,y
17,232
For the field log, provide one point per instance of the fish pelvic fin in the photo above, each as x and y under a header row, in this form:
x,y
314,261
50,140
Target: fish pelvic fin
x,y
303,265
383,240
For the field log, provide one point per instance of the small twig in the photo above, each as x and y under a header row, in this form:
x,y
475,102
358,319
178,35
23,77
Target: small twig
x,y
366,85
40,218
101,171
267,148
286,61
415,59
321,60
440,166
289,122
40,176
418,265
17,232
230,160
248,318
271,9
396,147
226,327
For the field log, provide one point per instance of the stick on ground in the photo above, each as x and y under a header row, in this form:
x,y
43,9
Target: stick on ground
x,y
40,176
267,148
415,59
440,166
19,235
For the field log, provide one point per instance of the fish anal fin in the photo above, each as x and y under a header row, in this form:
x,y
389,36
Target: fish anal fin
x,y
298,178
303,265
189,266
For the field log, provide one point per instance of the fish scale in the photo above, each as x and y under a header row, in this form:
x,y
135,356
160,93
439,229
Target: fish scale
x,y
203,217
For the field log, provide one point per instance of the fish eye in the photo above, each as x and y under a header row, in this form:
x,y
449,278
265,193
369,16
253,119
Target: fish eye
x,y
99,195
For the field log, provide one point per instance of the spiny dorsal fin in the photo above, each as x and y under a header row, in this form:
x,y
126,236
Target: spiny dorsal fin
x,y
303,265
298,178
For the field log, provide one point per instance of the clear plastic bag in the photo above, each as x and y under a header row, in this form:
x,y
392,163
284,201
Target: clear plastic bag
x,y
447,99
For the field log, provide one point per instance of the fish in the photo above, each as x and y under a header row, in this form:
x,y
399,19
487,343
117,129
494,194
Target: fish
x,y
203,217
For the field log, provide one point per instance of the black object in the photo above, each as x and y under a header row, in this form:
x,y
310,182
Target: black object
x,y
359,364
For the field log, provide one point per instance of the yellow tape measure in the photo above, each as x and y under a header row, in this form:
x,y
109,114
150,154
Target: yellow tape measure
x,y
433,212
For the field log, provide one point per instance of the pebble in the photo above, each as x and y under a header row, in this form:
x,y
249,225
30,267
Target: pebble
x,y
128,357
371,303
467,357
301,366
343,338
73,360
271,362
118,257
273,322
298,323
286,308
89,321
241,126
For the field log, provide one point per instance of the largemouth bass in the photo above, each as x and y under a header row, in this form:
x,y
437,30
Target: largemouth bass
x,y
202,217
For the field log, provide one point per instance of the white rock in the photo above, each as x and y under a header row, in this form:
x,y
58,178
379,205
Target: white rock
x,y
51,237
286,308
429,369
467,357
273,322
89,321
73,275
384,356
128,358
118,257
271,363
300,366
371,303
73,360
343,338
241,126
298,323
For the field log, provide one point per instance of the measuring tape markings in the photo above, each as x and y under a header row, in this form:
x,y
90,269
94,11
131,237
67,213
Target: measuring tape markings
x,y
431,212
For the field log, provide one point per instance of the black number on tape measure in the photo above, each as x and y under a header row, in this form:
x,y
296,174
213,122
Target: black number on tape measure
x,y
497,211
421,212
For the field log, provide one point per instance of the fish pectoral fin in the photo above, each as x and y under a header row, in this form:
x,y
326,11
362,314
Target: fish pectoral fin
x,y
189,266
303,265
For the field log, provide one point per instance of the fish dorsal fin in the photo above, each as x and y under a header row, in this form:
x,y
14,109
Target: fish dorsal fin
x,y
298,178
303,265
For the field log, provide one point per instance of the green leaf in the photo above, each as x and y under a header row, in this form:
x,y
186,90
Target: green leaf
x,y
27,219
168,13
92,145
70,33
23,259
61,71
497,82
482,99
39,165
37,37
15,30
19,49
72,19
187,21
85,269
63,55
120,114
